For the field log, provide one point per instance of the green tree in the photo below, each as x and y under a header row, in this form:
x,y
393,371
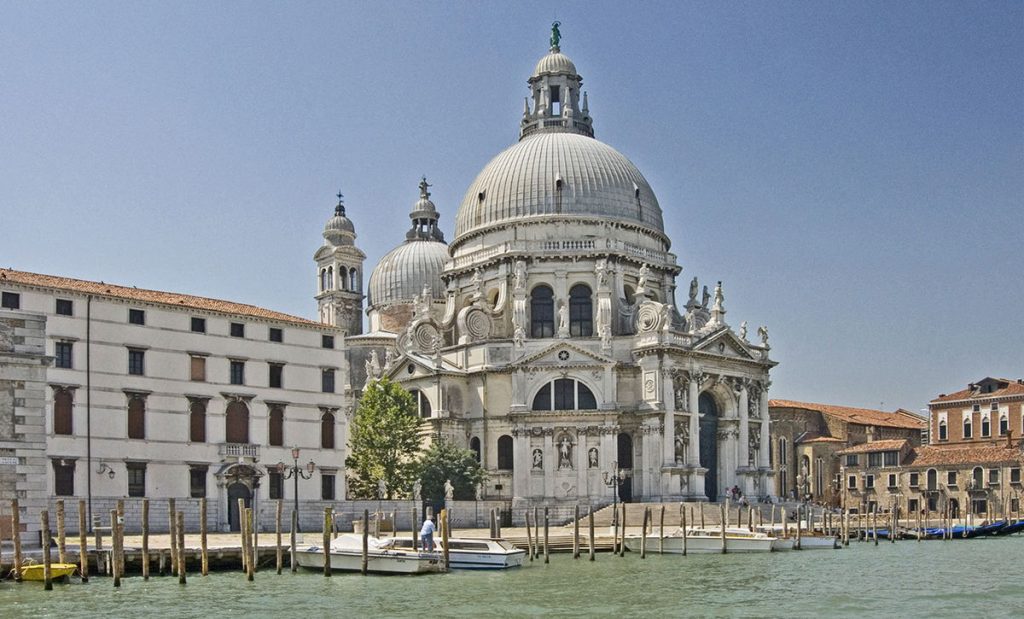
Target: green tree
x,y
443,460
385,440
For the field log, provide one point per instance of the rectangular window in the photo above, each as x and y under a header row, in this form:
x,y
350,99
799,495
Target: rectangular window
x,y
136,417
851,460
327,381
197,482
276,483
851,482
327,486
276,335
238,372
891,458
869,481
136,362
993,477
1015,475
327,341
62,355
65,307
197,368
237,329
136,317
875,459
951,478
1015,505
915,480
136,478
276,375
892,480
198,325
64,477
10,300
912,506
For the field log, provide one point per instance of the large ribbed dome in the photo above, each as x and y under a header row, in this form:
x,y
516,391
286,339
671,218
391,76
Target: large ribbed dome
x,y
523,182
402,272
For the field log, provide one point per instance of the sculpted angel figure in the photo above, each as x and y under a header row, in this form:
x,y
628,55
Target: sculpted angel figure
x,y
762,332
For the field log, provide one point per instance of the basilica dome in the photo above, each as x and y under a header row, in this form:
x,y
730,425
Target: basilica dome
x,y
557,170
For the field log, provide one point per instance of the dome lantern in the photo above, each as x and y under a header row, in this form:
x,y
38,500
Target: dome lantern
x,y
555,86
339,229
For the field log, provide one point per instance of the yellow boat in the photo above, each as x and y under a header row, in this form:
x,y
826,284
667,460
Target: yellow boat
x,y
34,571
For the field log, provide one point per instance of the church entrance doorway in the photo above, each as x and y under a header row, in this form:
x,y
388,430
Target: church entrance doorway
x,y
709,444
625,459
237,490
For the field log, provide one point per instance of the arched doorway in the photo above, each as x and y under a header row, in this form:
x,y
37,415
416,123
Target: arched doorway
x,y
625,460
237,490
709,444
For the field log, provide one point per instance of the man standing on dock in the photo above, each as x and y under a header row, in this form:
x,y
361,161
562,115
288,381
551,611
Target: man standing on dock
x,y
427,534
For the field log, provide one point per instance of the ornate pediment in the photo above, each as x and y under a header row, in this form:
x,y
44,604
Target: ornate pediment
x,y
726,343
563,353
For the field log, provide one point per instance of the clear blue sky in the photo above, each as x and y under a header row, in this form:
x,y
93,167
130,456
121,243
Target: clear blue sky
x,y
852,171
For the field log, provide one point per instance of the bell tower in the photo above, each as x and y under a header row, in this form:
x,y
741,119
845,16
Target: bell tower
x,y
339,265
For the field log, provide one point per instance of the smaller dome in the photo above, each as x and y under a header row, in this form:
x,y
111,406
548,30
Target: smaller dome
x,y
339,229
554,62
403,272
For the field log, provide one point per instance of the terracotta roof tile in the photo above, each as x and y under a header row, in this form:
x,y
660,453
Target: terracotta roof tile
x,y
893,444
865,416
148,296
1013,388
939,455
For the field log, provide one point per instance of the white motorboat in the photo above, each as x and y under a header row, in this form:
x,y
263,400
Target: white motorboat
x,y
346,555
706,541
468,553
818,542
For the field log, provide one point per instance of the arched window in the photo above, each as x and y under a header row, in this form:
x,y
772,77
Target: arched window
x,y
943,430
353,280
978,477
275,433
505,459
581,316
236,423
136,416
542,312
1004,424
474,446
564,394
330,278
933,480
197,421
819,478
327,430
986,425
62,412
422,403
783,468
323,280
967,427
343,277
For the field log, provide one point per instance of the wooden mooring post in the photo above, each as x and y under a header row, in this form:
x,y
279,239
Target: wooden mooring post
x,y
415,521
547,558
723,517
683,518
16,534
328,525
62,556
799,527
204,548
145,539
113,548
182,555
44,521
366,542
446,525
529,539
536,531
622,535
243,533
292,535
171,529
590,525
661,532
250,559
576,532
493,523
278,550
643,534
83,542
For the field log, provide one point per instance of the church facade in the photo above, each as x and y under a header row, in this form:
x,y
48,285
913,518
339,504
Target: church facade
x,y
547,337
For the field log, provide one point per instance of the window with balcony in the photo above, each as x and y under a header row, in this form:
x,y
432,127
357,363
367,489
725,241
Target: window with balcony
x,y
236,423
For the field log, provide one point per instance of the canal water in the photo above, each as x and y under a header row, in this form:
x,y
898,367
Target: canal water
x,y
980,578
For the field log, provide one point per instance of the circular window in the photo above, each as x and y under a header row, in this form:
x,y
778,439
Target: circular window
x,y
563,355
411,369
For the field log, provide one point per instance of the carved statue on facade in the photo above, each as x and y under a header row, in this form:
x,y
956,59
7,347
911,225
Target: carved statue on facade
x,y
389,358
743,330
372,366
480,491
565,453
556,35
762,332
682,441
382,489
519,336
645,272
449,490
592,458
538,459
705,297
601,269
519,278
563,320
755,444
417,491
693,292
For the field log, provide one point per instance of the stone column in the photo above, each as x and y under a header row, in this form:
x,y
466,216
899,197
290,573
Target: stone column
x,y
550,463
522,463
765,431
580,457
669,434
694,399
744,441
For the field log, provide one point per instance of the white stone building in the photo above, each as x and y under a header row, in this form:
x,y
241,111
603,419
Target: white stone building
x,y
547,337
159,395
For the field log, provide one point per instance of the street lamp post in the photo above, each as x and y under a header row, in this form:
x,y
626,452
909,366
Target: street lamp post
x,y
614,479
295,472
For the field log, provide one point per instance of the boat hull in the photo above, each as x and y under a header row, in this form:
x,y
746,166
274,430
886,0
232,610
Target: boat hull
x,y
470,556
702,544
34,572
386,562
817,542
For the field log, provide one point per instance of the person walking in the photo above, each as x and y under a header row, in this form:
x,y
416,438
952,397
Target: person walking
x,y
427,534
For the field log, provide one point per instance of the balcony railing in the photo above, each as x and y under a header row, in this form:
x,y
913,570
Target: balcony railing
x,y
240,450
